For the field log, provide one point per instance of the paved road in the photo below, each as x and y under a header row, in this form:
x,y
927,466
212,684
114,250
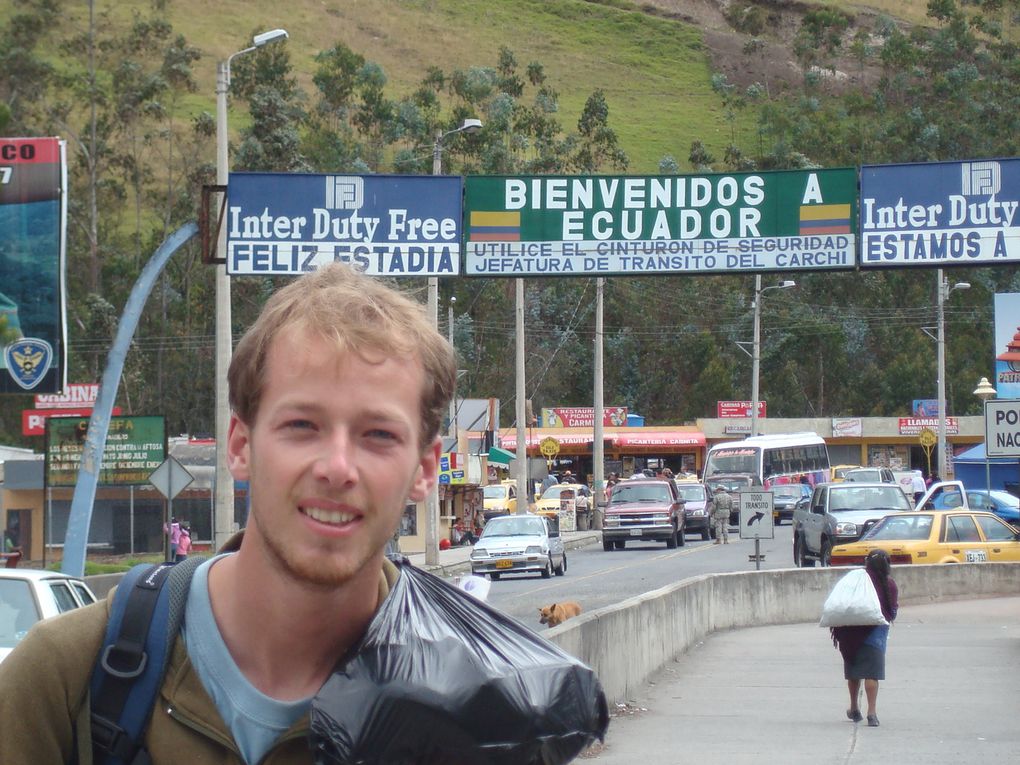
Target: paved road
x,y
777,695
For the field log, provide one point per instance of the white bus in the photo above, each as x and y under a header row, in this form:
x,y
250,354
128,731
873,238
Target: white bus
x,y
773,459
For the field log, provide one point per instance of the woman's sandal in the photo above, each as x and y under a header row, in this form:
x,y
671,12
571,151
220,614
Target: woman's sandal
x,y
872,721
854,715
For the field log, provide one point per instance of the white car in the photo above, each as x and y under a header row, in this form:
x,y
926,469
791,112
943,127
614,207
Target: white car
x,y
517,543
29,595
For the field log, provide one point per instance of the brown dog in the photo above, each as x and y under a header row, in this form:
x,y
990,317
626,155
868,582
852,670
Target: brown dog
x,y
558,613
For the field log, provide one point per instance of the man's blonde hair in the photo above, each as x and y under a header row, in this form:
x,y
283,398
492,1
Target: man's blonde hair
x,y
358,314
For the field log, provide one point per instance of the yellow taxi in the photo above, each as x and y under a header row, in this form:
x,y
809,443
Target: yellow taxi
x,y
499,499
837,473
549,503
937,536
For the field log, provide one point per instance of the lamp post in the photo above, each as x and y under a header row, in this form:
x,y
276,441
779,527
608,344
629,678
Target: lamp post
x,y
223,508
432,501
944,291
985,391
449,336
756,354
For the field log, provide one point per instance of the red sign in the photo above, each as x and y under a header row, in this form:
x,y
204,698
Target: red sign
x,y
75,396
33,421
738,409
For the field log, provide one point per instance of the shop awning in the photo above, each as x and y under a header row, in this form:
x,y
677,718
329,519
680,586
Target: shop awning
x,y
634,439
500,456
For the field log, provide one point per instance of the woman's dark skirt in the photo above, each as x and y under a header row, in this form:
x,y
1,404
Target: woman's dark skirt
x,y
868,664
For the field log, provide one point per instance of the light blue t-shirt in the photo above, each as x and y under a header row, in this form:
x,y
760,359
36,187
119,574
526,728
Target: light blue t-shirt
x,y
255,720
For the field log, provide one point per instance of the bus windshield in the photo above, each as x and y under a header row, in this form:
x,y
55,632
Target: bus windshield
x,y
740,459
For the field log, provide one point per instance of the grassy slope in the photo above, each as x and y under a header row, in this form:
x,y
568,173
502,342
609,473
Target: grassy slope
x,y
653,70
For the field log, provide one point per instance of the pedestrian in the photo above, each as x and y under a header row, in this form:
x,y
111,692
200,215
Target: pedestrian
x,y
549,480
721,515
863,647
917,485
174,532
184,543
336,394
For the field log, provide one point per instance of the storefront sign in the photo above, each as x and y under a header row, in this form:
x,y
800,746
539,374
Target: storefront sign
x,y
912,426
847,427
33,421
634,225
582,416
941,213
726,409
387,225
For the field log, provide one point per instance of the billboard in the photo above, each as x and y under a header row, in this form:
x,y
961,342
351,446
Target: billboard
x,y
727,409
387,225
940,213
582,416
135,446
1007,345
33,222
636,225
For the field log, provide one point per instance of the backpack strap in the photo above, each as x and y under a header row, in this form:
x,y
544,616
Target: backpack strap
x,y
145,618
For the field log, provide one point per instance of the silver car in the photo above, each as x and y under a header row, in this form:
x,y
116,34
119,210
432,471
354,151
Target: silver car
x,y
517,543
29,595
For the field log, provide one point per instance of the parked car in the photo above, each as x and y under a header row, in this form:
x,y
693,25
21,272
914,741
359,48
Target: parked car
x,y
698,505
647,509
30,595
519,543
549,503
870,475
734,483
937,536
997,502
837,513
499,499
785,497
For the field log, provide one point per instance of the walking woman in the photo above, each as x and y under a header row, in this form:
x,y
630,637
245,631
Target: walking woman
x,y
863,648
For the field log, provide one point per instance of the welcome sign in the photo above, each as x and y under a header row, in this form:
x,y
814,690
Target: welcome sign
x,y
636,225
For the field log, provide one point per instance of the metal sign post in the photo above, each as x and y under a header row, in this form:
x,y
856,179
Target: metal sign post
x,y
756,508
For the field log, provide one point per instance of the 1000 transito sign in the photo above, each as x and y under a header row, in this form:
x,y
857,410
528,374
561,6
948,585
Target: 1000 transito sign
x,y
633,225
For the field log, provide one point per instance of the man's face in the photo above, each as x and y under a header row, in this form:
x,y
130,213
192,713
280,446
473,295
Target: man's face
x,y
331,458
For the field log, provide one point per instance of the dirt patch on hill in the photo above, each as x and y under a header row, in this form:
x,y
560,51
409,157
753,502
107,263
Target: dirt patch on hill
x,y
771,61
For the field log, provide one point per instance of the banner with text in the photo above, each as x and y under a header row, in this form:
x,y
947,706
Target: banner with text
x,y
386,225
940,213
582,416
33,224
713,223
135,446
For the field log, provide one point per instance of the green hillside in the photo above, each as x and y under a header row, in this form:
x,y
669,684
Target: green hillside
x,y
653,67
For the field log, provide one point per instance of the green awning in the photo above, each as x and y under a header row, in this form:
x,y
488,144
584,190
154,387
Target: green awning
x,y
500,456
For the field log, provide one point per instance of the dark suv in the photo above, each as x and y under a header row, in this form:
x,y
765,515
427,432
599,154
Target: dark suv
x,y
641,509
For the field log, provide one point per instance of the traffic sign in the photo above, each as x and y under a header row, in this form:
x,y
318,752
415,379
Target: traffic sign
x,y
549,447
1002,428
927,438
171,478
756,515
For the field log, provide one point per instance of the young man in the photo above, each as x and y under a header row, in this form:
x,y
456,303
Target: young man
x,y
721,515
337,393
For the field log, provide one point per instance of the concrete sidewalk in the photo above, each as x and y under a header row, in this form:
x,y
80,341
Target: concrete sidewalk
x,y
777,695
457,560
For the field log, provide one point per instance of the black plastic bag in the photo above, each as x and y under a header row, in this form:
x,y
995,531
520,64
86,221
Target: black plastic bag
x,y
440,678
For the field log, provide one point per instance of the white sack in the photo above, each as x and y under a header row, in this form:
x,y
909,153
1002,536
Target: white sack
x,y
853,601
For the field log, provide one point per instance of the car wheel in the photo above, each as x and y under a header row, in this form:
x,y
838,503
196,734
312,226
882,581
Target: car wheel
x,y
825,556
494,577
799,559
705,534
547,571
681,537
607,545
561,569
620,544
671,542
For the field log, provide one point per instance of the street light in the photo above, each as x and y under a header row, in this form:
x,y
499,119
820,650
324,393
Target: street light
x,y
985,391
944,291
449,336
223,509
756,355
432,501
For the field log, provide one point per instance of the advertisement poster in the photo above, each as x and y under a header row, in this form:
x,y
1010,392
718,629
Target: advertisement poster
x,y
940,214
679,224
386,225
582,416
1007,345
33,222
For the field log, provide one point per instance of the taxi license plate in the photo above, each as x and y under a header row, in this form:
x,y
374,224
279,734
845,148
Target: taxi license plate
x,y
506,563
635,532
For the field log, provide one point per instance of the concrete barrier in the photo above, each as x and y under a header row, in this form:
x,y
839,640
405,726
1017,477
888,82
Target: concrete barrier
x,y
628,642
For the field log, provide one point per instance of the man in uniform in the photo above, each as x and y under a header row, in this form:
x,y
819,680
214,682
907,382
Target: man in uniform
x,y
721,515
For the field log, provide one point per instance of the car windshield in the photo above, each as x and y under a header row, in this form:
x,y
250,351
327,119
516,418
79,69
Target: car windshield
x,y
787,491
554,491
692,493
863,475
18,611
848,497
623,493
494,491
513,527
915,526
1005,498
